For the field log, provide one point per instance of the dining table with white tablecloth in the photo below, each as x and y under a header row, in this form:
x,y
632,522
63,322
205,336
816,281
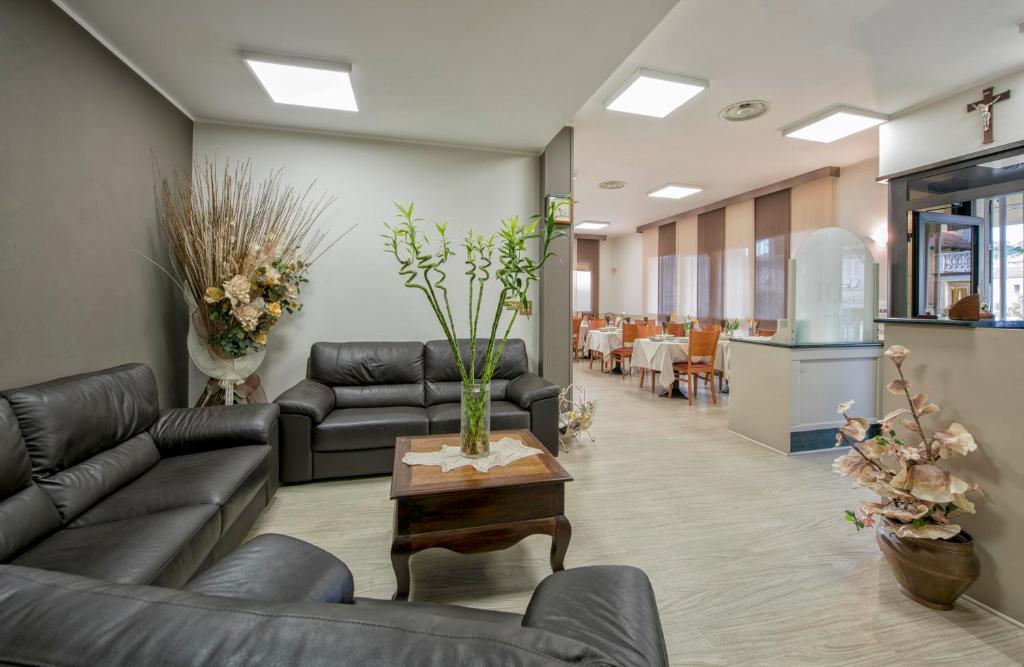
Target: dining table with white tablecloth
x,y
603,341
659,355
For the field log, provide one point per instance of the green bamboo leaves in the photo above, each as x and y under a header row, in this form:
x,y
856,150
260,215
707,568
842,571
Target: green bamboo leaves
x,y
422,266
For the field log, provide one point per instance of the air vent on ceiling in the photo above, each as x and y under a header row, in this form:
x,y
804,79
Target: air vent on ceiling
x,y
744,110
611,185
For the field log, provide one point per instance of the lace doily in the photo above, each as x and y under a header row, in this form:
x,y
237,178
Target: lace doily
x,y
449,458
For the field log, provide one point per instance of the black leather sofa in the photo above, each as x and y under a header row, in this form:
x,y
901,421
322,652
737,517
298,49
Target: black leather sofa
x,y
95,481
342,420
278,601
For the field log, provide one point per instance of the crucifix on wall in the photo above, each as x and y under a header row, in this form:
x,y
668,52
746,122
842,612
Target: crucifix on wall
x,y
984,105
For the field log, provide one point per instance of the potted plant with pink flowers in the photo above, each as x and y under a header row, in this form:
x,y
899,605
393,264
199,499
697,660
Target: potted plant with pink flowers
x,y
915,518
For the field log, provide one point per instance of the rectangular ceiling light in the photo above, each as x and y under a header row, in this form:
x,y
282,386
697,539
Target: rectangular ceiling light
x,y
672,191
834,123
650,93
304,82
590,226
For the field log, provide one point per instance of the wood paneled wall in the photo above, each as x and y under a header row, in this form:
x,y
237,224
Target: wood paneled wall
x,y
771,256
710,265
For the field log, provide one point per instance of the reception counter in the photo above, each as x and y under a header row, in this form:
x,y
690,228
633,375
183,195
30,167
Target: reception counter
x,y
785,396
974,371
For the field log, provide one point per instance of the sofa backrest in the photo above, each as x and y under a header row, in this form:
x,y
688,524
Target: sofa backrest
x,y
444,384
86,434
56,618
26,513
370,374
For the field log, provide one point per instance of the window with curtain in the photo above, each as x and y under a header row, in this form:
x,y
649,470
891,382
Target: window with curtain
x,y
585,276
771,257
710,266
668,295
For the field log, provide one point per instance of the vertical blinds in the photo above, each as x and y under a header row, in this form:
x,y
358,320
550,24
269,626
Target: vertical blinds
x,y
771,253
588,253
710,265
667,284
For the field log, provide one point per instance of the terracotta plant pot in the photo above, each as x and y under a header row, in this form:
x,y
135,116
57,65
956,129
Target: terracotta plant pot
x,y
930,572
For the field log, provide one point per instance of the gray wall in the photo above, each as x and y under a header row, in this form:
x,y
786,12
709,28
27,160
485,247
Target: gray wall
x,y
76,199
556,276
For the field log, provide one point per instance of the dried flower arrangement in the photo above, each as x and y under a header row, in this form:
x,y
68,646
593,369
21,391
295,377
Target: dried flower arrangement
x,y
918,497
241,252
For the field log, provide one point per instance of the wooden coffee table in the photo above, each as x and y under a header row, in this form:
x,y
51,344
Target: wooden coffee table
x,y
468,511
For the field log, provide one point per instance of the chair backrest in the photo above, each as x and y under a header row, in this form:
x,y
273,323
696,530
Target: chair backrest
x,y
712,327
703,344
629,332
597,324
676,329
765,333
576,322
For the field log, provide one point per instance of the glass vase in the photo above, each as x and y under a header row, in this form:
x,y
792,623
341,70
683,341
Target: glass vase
x,y
475,425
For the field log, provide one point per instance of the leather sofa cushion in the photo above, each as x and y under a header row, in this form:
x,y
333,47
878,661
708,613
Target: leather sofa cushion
x,y
15,468
505,416
277,568
163,549
226,478
368,428
363,367
68,420
74,490
443,382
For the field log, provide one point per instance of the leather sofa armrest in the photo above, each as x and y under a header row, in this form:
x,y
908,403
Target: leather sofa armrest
x,y
530,387
609,607
308,398
186,430
277,568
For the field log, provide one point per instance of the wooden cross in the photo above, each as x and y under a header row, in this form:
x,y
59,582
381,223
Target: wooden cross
x,y
984,105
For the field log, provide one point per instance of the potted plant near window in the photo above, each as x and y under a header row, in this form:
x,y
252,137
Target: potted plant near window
x,y
423,265
931,557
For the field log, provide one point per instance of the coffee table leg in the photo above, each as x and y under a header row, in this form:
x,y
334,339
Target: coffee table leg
x,y
560,543
401,552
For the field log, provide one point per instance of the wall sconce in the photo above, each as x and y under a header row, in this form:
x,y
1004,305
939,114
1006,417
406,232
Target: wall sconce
x,y
881,234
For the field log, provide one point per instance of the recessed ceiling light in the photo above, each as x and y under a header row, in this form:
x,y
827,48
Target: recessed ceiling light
x,y
673,191
650,93
304,82
611,185
834,123
590,225
744,110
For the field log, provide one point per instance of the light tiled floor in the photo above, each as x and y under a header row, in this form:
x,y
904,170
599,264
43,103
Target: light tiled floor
x,y
747,550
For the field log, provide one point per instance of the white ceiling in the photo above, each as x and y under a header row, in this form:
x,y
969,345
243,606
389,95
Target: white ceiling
x,y
490,73
801,56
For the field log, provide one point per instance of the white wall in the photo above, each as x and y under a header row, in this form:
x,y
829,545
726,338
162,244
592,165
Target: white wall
x,y
862,207
622,291
355,292
945,129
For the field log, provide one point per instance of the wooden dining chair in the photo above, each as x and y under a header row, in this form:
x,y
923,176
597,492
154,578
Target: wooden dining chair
x,y
594,326
765,333
629,334
576,322
702,344
676,329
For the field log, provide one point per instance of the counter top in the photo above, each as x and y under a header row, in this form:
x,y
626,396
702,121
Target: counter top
x,y
971,324
799,346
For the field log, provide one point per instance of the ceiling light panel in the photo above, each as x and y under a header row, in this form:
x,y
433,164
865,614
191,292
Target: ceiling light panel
x,y
655,94
304,82
590,226
674,191
834,123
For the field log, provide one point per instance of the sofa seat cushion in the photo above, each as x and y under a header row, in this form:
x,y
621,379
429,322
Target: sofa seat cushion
x,y
505,416
163,549
277,568
368,428
226,478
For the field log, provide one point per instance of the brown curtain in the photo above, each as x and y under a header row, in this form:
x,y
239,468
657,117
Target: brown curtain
x,y
588,258
771,257
667,284
710,266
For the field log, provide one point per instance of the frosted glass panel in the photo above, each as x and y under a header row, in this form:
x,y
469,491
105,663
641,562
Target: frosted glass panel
x,y
835,290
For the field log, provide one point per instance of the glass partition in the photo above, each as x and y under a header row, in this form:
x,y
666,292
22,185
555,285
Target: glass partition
x,y
836,297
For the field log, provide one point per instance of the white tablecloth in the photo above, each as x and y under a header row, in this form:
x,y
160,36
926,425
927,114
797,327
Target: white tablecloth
x,y
660,355
602,341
